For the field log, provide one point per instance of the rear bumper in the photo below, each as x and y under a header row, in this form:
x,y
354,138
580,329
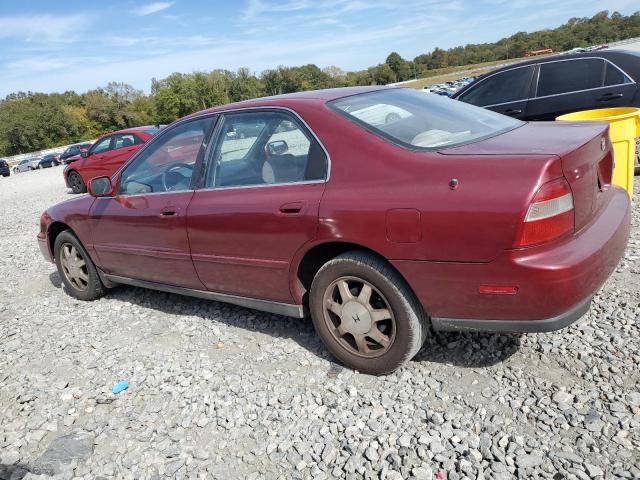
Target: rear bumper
x,y
513,326
555,282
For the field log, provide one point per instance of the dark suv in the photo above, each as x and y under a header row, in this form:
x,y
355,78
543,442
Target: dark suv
x,y
545,88
73,151
4,168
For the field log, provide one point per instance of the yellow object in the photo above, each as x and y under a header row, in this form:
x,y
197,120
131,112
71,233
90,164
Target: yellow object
x,y
624,127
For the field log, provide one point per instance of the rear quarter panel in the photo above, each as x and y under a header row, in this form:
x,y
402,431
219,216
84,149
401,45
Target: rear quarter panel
x,y
370,177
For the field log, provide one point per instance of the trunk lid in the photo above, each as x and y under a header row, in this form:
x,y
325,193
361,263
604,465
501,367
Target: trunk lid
x,y
583,148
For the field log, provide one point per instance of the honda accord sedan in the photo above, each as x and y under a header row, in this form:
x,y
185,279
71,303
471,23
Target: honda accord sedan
x,y
445,217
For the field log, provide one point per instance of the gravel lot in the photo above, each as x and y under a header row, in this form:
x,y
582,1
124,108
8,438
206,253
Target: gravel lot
x,y
217,391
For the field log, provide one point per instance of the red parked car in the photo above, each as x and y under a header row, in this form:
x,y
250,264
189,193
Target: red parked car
x,y
105,156
449,217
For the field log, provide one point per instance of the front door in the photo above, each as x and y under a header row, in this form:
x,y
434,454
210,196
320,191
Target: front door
x,y
96,156
259,204
505,92
141,233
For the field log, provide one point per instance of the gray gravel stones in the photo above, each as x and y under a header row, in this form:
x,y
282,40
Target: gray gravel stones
x,y
218,391
62,452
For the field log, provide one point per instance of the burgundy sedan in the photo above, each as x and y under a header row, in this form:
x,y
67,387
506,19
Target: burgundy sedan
x,y
384,213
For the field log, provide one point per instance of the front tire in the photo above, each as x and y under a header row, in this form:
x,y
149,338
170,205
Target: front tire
x,y
366,314
76,183
78,273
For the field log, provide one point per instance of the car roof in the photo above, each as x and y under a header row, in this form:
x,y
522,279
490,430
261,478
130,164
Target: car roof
x,y
142,129
321,96
627,60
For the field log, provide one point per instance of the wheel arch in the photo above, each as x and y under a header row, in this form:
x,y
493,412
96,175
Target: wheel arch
x,y
319,254
55,229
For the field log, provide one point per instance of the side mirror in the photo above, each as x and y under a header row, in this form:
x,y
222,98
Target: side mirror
x,y
84,153
101,187
277,147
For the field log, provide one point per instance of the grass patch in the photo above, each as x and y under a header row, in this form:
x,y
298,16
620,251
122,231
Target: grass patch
x,y
447,74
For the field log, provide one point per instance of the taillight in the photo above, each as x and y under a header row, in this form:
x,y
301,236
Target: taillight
x,y
550,214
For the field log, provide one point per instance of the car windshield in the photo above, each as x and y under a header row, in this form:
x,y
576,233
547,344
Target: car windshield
x,y
419,120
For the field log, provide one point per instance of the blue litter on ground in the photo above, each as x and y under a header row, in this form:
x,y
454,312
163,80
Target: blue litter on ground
x,y
120,387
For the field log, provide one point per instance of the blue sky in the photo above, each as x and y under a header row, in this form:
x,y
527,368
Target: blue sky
x,y
78,45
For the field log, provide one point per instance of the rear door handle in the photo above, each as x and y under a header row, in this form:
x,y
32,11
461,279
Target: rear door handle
x,y
607,97
513,111
291,208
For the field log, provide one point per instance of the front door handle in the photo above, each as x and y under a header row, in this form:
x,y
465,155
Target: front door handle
x,y
607,97
291,208
513,111
169,211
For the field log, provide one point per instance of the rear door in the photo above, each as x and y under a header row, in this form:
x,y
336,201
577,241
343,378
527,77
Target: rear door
x,y
123,147
571,85
504,92
259,204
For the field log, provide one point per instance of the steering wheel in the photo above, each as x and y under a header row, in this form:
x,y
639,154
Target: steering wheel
x,y
173,171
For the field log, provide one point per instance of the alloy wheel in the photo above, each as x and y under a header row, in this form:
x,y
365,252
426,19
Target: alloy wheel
x,y
74,267
76,182
359,317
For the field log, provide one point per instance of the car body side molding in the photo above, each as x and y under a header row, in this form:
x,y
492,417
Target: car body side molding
x,y
513,326
285,309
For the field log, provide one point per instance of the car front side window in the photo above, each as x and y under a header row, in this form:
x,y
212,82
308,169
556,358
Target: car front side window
x,y
503,87
264,148
102,146
167,164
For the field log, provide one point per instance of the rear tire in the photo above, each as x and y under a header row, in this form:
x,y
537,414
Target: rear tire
x,y
379,326
76,269
76,183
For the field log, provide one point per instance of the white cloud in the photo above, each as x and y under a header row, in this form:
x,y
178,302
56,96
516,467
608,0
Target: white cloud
x,y
43,28
150,8
37,64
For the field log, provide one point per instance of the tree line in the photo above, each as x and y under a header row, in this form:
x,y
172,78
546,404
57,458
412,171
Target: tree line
x,y
35,121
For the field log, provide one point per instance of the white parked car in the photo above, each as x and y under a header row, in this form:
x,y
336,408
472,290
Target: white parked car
x,y
380,114
27,164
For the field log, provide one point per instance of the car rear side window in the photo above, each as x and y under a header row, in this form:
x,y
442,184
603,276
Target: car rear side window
x,y
570,76
421,120
126,140
615,76
504,87
264,148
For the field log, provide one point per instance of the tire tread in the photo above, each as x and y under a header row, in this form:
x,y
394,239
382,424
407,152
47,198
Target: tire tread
x,y
419,328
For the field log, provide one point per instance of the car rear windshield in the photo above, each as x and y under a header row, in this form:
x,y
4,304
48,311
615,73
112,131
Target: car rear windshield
x,y
419,120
